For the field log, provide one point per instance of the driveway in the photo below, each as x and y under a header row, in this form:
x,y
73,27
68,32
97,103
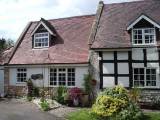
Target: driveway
x,y
18,109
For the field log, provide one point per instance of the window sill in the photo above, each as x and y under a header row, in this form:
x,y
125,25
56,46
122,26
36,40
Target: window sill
x,y
21,83
44,48
144,45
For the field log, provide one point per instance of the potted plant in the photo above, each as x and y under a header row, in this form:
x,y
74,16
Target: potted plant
x,y
76,94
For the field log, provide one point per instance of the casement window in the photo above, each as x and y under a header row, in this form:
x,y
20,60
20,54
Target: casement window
x,y
144,77
62,76
21,74
41,40
144,36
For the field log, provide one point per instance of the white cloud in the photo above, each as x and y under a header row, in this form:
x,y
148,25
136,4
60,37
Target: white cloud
x,y
15,14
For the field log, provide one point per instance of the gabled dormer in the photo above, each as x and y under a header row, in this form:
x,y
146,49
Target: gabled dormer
x,y
42,34
143,31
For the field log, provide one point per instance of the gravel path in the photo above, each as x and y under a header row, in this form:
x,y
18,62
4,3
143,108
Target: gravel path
x,y
19,109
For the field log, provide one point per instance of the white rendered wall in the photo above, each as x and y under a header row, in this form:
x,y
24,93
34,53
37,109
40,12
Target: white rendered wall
x,y
1,80
79,72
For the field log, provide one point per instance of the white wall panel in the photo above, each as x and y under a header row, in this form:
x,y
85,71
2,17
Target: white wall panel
x,y
108,81
108,56
123,81
108,68
137,54
122,55
123,68
152,54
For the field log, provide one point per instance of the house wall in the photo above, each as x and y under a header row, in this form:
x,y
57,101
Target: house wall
x,y
1,80
117,66
14,86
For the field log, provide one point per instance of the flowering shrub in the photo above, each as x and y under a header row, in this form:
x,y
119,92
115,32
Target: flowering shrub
x,y
114,102
107,106
75,93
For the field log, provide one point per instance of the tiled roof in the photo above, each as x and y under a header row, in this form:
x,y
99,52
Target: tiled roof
x,y
69,46
115,18
4,55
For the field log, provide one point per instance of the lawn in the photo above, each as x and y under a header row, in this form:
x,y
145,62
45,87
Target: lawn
x,y
84,114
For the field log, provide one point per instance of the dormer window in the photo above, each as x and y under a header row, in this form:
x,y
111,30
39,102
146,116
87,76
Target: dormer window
x,y
41,40
144,36
42,34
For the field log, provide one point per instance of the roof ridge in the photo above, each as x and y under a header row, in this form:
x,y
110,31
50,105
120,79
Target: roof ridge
x,y
78,16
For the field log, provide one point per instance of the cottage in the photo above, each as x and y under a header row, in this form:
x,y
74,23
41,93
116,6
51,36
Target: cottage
x,y
51,53
122,49
125,43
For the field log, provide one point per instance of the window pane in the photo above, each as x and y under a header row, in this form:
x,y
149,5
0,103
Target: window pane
x,y
135,71
141,71
153,71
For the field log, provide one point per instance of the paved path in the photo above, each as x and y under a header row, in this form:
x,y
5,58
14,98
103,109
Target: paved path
x,y
18,109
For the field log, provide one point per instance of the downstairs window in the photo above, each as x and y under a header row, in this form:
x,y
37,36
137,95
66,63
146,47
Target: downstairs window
x,y
144,77
21,75
62,76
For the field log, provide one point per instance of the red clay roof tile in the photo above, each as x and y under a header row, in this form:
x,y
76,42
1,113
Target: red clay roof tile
x,y
112,29
69,46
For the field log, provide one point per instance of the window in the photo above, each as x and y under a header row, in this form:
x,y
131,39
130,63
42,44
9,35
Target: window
x,y
21,74
62,76
143,36
144,77
41,40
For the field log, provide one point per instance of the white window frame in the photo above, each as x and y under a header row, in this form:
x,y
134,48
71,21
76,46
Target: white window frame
x,y
21,72
143,36
35,37
145,86
66,77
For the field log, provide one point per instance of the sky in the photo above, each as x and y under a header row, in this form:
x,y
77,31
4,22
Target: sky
x,y
15,14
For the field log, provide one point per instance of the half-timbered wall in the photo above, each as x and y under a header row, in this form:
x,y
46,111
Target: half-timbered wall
x,y
116,67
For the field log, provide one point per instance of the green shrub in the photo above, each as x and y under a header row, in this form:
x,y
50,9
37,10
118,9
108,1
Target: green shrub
x,y
61,94
115,103
29,98
35,92
45,106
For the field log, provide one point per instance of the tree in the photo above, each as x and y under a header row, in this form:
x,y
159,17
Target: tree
x,y
4,44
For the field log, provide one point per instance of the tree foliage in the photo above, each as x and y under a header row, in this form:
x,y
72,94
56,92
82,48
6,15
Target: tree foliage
x,y
4,44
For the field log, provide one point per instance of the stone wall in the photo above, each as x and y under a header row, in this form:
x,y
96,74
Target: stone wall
x,y
6,80
149,95
94,71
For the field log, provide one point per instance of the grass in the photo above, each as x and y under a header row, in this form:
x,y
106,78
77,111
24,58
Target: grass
x,y
84,114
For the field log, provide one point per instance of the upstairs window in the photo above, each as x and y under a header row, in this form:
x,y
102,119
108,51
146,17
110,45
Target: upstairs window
x,y
143,36
41,40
